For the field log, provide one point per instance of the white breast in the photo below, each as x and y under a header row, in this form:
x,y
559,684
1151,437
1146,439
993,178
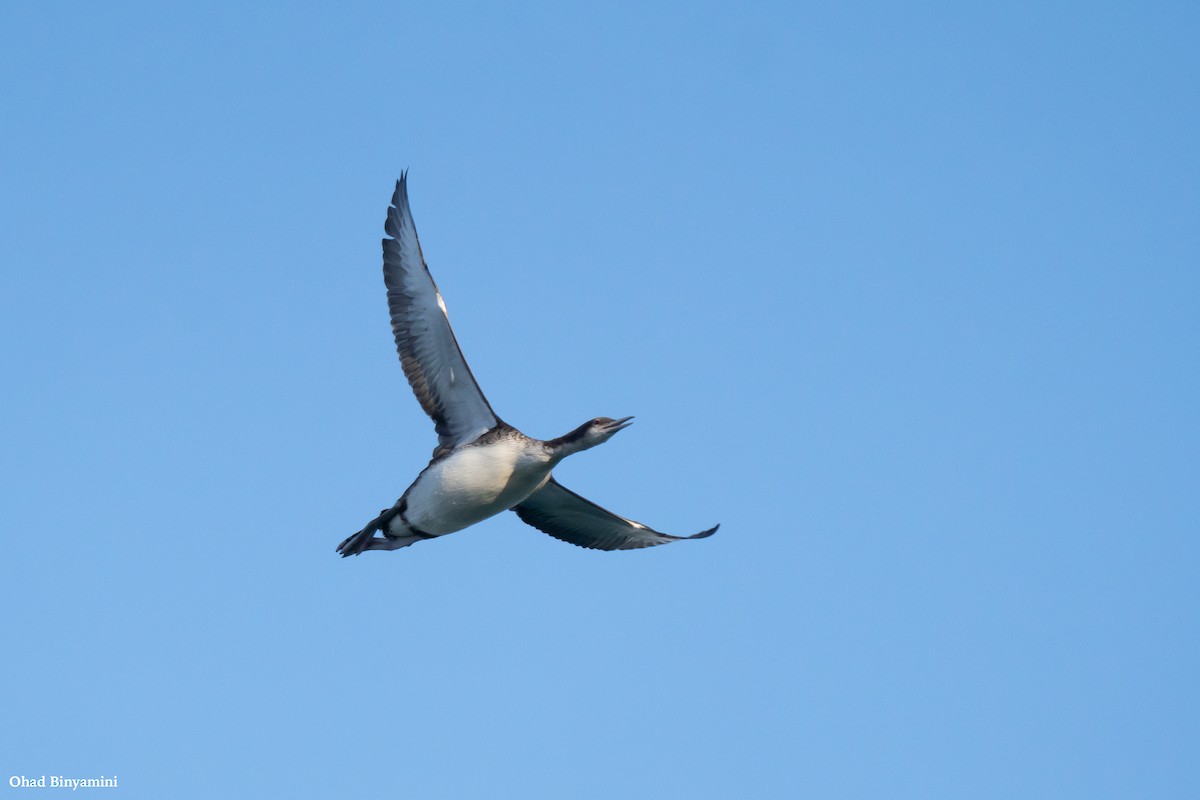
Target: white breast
x,y
474,483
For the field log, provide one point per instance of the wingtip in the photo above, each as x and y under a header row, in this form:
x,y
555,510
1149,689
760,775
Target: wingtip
x,y
399,206
707,533
401,187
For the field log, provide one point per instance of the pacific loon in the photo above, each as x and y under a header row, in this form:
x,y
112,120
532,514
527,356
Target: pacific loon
x,y
481,465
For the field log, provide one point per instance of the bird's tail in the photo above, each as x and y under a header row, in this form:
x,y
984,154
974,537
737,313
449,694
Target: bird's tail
x,y
366,539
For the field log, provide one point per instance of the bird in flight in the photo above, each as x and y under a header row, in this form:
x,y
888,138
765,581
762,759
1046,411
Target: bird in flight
x,y
481,465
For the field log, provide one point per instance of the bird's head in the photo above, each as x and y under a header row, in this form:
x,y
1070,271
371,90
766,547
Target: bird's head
x,y
589,434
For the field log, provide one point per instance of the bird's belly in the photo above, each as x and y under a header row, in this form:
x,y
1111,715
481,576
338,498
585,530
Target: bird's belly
x,y
473,484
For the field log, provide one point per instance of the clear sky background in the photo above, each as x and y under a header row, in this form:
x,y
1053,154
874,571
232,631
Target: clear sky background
x,y
906,297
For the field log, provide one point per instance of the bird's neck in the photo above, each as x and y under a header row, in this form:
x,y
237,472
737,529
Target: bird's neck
x,y
569,444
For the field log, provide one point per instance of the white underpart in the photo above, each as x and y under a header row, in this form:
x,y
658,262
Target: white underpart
x,y
474,483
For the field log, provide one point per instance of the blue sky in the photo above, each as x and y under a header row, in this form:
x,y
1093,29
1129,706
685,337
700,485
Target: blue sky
x,y
907,298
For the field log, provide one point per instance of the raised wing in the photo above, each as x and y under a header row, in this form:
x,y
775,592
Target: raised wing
x,y
558,511
429,353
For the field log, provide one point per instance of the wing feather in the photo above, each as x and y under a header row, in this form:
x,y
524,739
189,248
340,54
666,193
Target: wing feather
x,y
429,352
556,510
